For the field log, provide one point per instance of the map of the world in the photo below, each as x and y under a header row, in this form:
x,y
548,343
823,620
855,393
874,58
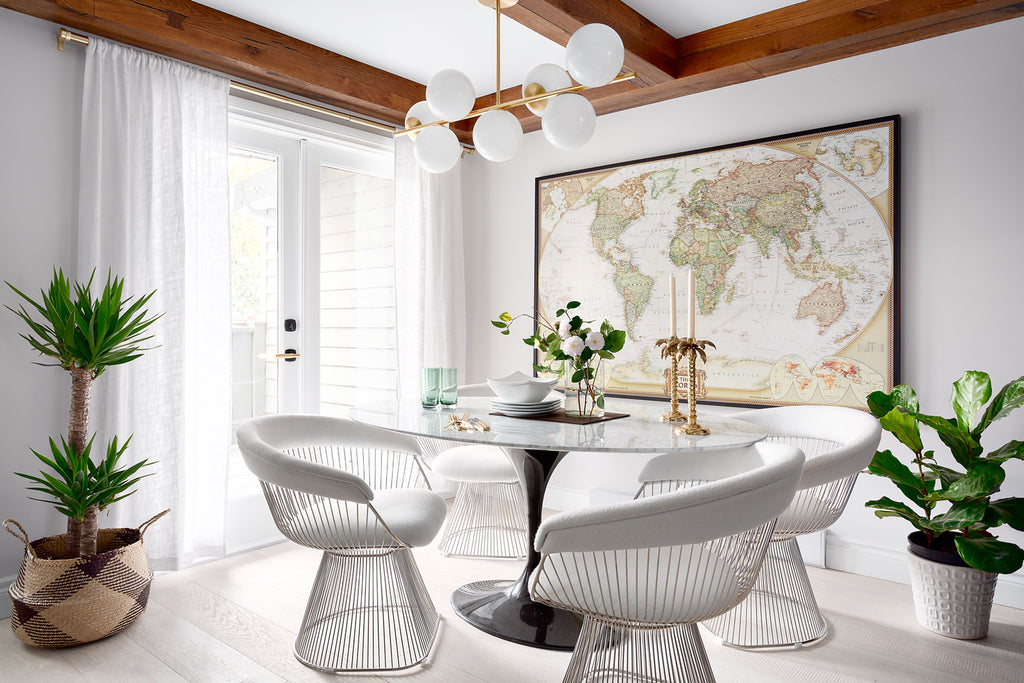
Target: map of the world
x,y
792,245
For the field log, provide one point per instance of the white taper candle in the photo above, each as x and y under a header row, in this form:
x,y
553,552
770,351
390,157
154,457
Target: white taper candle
x,y
691,307
672,304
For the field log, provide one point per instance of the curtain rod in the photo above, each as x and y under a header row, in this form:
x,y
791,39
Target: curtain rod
x,y
66,35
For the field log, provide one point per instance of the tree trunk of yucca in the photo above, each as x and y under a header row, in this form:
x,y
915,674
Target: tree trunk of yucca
x,y
81,533
78,418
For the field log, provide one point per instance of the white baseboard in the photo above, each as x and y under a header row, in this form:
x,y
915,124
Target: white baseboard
x,y
562,499
891,565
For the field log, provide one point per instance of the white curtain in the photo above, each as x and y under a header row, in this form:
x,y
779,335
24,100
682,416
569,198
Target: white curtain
x,y
153,208
430,275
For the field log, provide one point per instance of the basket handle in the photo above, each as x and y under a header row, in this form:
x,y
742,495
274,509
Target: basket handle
x,y
23,536
145,525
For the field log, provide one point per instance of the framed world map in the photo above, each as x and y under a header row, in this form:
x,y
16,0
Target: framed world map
x,y
793,243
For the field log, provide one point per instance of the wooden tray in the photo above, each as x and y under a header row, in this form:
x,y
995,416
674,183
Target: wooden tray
x,y
560,416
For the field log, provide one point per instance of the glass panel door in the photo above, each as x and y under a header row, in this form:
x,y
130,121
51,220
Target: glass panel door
x,y
358,358
254,183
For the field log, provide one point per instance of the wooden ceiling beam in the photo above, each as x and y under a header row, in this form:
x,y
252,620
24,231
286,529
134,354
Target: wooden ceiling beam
x,y
650,51
803,35
209,38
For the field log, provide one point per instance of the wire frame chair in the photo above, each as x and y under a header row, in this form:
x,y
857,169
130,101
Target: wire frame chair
x,y
649,601
781,610
640,600
487,518
368,609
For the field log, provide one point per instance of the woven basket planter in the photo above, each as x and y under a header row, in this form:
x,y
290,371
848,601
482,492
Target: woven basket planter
x,y
59,602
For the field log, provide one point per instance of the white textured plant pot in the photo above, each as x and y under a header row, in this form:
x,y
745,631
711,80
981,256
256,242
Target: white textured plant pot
x,y
952,601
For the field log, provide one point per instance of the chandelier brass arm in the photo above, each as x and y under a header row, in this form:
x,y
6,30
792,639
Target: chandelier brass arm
x,y
514,103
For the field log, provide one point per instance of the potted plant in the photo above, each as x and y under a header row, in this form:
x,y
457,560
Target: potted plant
x,y
956,507
574,350
84,336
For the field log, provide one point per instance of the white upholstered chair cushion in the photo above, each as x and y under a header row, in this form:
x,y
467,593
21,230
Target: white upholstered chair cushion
x,y
477,463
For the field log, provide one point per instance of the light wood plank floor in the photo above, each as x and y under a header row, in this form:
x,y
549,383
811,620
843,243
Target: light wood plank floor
x,y
235,620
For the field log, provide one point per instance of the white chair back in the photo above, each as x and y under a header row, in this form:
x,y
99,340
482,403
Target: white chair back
x,y
722,506
853,437
675,558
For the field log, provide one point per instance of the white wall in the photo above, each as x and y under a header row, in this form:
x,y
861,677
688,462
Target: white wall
x,y
39,133
961,234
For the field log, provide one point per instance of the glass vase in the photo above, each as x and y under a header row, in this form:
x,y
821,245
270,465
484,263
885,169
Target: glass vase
x,y
586,397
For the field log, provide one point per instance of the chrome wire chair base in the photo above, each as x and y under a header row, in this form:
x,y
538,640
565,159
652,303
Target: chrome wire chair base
x,y
367,612
780,611
642,654
487,520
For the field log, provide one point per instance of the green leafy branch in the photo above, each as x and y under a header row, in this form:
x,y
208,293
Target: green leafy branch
x,y
77,483
972,511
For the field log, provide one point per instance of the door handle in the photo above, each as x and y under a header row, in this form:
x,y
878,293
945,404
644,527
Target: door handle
x,y
289,355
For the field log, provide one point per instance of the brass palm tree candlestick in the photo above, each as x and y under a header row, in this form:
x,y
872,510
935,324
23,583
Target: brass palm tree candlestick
x,y
674,348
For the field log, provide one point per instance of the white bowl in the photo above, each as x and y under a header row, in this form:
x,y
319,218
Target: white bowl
x,y
520,388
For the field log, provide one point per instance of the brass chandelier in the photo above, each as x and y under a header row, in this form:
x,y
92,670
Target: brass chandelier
x,y
593,58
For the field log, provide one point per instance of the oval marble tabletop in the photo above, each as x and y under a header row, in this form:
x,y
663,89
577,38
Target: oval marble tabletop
x,y
642,431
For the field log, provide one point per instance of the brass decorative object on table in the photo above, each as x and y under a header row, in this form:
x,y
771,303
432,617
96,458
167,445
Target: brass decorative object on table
x,y
465,423
674,348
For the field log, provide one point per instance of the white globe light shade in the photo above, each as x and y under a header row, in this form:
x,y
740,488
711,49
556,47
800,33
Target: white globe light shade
x,y
419,114
437,149
497,134
450,95
594,55
569,121
544,78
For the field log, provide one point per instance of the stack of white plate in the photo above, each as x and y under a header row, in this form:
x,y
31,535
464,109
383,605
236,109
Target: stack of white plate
x,y
514,409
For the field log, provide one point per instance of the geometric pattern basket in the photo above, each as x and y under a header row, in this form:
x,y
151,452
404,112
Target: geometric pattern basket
x,y
60,602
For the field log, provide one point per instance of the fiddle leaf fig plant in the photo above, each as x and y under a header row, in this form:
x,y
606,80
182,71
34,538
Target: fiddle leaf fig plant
x,y
965,496
84,335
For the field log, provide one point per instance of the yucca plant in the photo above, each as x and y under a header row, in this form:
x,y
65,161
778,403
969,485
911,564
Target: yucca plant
x,y
85,336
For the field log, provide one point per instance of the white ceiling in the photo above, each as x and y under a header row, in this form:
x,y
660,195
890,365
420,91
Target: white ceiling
x,y
415,39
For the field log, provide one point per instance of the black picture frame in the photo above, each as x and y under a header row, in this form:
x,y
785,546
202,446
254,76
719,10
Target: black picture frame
x,y
826,375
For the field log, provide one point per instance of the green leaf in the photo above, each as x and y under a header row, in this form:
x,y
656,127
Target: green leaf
x,y
499,324
964,447
571,305
885,464
887,507
615,340
904,427
970,393
577,376
944,474
960,515
902,396
1008,511
981,481
505,317
1014,449
1008,399
990,554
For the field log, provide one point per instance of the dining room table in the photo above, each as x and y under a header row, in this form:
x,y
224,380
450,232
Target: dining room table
x,y
536,445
